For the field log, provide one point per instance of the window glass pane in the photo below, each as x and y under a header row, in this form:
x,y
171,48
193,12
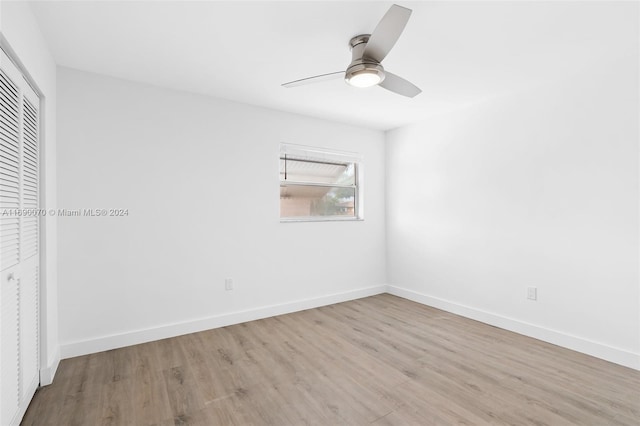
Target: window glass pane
x,y
316,171
308,200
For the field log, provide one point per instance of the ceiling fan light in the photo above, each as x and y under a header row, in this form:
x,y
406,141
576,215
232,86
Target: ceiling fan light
x,y
364,78
364,75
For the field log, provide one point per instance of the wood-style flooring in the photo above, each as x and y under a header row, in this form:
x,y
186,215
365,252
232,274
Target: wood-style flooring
x,y
381,360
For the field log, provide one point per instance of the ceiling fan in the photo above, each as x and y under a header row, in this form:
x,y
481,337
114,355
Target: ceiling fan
x,y
368,51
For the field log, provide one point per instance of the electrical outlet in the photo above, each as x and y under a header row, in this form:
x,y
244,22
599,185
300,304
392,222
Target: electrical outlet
x,y
532,293
228,284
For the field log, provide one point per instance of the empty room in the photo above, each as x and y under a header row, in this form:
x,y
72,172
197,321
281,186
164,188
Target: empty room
x,y
319,213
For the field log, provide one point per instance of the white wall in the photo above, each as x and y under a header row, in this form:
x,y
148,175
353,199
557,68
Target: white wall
x,y
199,177
533,189
22,38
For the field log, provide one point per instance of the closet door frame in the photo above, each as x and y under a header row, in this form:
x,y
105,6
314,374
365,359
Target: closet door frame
x,y
43,348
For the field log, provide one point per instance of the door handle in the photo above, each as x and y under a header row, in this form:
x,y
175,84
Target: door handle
x,y
12,277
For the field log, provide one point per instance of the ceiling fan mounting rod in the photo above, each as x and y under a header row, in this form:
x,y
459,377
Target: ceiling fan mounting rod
x,y
357,45
362,38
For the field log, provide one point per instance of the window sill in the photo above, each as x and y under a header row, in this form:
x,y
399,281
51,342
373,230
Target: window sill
x,y
319,219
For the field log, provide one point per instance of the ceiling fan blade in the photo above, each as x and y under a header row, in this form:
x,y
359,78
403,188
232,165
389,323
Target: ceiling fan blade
x,y
387,32
314,79
399,85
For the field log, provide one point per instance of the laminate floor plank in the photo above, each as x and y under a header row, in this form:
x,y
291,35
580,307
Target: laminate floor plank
x,y
381,360
520,353
116,404
365,372
333,352
149,395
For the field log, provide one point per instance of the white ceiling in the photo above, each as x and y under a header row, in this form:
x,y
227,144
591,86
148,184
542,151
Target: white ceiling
x,y
459,53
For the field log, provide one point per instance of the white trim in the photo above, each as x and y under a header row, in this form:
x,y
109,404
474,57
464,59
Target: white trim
x,y
24,403
48,373
589,347
104,343
321,152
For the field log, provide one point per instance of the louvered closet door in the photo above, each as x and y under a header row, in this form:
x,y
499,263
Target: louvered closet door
x,y
29,248
19,242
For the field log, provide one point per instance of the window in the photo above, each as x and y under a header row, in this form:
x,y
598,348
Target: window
x,y
319,185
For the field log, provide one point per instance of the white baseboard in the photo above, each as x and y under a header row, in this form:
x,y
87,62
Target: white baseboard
x,y
598,350
47,373
104,343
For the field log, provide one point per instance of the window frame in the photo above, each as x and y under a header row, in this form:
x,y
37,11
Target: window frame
x,y
330,156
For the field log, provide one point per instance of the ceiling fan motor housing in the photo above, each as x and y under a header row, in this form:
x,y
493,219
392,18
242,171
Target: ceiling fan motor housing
x,y
362,68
